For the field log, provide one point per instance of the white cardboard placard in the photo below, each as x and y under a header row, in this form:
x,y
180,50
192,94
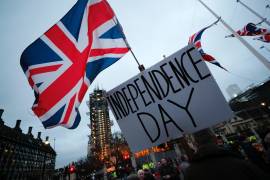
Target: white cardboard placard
x,y
176,96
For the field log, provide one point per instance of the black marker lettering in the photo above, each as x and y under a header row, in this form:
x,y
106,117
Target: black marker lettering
x,y
141,92
128,100
169,78
162,113
153,89
195,65
133,97
152,139
154,73
186,107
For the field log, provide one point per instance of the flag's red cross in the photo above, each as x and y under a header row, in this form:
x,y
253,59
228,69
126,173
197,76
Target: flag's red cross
x,y
76,72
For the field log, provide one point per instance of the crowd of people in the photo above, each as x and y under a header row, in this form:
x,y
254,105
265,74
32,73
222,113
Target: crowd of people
x,y
244,159
165,169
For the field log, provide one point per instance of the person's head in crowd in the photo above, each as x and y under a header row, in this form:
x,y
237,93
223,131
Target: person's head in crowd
x,y
133,177
158,164
184,158
163,161
141,174
205,137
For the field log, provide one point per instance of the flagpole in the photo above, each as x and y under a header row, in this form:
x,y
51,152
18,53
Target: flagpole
x,y
140,66
254,12
244,42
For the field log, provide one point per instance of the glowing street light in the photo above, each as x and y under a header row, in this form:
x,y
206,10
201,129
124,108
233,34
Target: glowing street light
x,y
46,142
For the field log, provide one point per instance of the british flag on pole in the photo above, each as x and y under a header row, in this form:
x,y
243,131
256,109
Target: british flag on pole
x,y
265,38
195,39
64,61
251,29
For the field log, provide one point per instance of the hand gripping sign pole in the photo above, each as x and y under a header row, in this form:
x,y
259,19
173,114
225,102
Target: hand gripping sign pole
x,y
245,43
254,12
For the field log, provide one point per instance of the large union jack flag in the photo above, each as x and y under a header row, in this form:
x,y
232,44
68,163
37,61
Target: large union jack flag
x,y
64,61
195,39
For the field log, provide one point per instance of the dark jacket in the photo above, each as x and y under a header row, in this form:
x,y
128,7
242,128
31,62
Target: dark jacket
x,y
169,170
214,163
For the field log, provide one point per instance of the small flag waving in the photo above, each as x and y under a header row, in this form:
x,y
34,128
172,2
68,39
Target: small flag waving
x,y
265,38
196,40
64,61
251,29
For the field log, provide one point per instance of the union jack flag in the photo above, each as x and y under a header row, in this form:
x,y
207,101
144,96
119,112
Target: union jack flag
x,y
196,40
264,38
251,29
64,61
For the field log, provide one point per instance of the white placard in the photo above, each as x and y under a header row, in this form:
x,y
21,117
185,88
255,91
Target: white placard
x,y
178,95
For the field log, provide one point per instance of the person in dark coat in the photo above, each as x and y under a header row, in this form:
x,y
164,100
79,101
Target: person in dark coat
x,y
215,163
148,175
184,164
256,157
266,141
133,177
167,171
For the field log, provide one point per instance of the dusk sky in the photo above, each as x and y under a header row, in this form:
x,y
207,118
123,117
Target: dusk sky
x,y
153,28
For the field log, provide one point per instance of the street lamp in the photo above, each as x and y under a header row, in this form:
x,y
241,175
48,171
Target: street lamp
x,y
46,143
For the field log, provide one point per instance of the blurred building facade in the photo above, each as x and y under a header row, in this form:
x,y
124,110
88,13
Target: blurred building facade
x,y
100,125
251,109
233,90
22,156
